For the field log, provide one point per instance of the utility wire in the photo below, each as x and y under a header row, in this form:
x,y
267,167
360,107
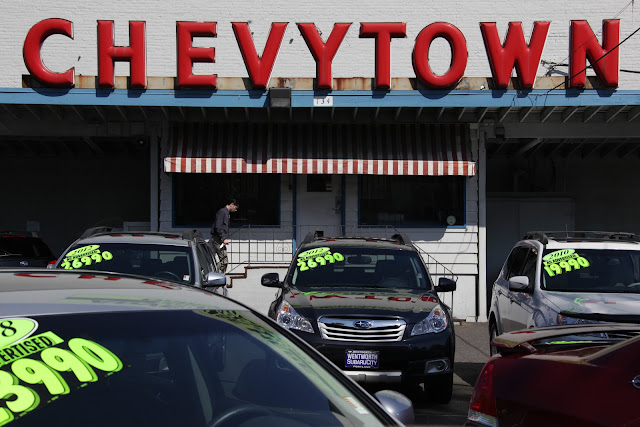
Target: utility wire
x,y
599,32
596,61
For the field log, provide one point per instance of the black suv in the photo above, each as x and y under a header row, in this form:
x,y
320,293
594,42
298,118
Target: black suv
x,y
180,257
370,306
23,249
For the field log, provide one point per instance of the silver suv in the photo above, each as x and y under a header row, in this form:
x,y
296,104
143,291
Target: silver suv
x,y
185,257
564,277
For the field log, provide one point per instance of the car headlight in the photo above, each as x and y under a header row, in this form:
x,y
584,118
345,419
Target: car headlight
x,y
287,317
566,320
435,322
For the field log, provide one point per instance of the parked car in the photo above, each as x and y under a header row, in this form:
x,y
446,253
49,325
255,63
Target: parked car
x,y
552,278
181,257
22,249
370,306
570,375
108,349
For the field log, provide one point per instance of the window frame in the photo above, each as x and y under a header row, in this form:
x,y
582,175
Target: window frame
x,y
463,208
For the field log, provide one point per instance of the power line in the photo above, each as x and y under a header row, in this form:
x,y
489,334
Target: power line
x,y
597,60
599,32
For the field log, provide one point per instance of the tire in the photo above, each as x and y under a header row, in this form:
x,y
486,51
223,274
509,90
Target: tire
x,y
493,332
439,389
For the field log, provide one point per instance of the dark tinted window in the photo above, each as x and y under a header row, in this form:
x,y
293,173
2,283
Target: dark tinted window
x,y
335,266
412,200
171,368
515,262
166,262
26,246
198,196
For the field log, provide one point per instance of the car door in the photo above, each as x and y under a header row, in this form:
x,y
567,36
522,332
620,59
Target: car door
x,y
521,305
207,265
504,297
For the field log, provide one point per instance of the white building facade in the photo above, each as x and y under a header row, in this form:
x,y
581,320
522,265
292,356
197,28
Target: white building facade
x,y
461,125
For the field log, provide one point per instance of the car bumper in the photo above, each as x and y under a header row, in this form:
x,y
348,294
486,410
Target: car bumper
x,y
410,360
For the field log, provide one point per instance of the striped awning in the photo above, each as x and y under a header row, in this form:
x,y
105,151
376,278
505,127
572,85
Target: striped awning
x,y
320,149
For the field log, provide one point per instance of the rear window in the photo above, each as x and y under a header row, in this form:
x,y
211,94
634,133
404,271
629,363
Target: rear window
x,y
339,266
165,262
25,246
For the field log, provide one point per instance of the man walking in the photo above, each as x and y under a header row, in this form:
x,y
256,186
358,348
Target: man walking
x,y
220,232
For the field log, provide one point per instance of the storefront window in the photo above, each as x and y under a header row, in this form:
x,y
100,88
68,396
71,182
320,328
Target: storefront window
x,y
412,201
198,196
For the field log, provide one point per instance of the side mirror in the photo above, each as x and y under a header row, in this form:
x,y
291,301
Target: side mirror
x,y
519,283
445,285
397,405
215,280
271,280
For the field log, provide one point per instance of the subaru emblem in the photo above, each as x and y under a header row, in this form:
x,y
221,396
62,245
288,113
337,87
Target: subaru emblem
x,y
363,324
24,263
636,381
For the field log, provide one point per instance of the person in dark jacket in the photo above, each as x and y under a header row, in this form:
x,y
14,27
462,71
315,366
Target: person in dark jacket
x,y
220,232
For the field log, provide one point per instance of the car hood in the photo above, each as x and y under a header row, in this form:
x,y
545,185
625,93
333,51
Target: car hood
x,y
614,304
405,303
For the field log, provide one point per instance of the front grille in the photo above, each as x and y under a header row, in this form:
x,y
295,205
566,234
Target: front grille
x,y
345,329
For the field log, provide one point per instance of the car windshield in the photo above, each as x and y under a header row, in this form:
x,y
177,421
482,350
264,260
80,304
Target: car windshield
x,y
591,270
25,246
192,368
167,262
350,266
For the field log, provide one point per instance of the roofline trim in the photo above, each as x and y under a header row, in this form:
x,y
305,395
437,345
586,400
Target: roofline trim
x,y
305,98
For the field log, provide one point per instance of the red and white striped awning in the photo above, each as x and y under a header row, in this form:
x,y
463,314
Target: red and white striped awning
x,y
320,149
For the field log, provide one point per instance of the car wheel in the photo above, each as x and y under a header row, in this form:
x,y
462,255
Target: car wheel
x,y
493,332
439,389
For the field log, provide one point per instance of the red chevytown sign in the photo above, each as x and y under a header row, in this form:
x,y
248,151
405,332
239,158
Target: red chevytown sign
x,y
503,57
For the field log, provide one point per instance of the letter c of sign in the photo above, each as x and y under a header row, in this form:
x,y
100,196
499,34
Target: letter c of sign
x,y
33,46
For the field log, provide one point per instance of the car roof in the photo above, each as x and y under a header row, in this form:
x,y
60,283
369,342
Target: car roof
x,y
20,234
25,292
356,241
584,239
174,239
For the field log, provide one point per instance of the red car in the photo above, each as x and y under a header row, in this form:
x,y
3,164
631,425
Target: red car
x,y
578,375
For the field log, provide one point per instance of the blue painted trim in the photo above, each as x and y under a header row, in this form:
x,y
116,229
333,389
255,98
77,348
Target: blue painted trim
x,y
304,99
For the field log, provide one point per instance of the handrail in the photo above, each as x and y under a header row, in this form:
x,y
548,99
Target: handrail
x,y
270,245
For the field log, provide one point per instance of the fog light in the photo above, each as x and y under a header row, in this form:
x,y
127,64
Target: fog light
x,y
436,366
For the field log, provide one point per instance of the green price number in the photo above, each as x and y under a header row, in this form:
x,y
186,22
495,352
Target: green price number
x,y
566,266
306,264
86,260
83,357
302,264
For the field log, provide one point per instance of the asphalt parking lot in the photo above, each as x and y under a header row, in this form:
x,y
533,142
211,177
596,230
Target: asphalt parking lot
x,y
472,351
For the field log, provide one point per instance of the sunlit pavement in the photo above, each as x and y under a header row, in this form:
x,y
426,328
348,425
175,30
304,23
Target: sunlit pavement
x,y
472,351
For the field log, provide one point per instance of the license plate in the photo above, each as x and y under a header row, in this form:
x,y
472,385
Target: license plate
x,y
361,359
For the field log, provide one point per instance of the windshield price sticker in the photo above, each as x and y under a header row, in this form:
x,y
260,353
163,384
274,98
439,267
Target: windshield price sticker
x,y
562,261
84,256
28,381
318,256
